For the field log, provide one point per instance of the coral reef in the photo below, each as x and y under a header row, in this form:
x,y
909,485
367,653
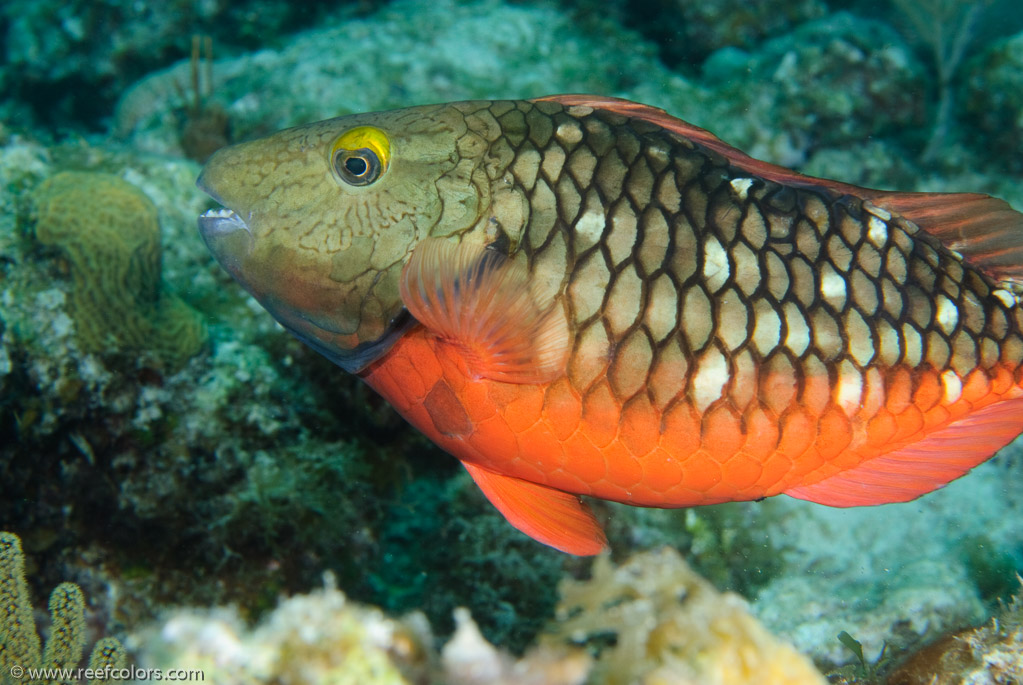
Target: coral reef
x,y
109,232
19,642
312,639
990,654
68,61
664,623
240,475
916,581
687,32
994,97
468,659
832,82
659,622
411,51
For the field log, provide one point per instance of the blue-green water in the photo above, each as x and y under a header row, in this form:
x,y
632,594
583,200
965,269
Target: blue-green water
x,y
169,448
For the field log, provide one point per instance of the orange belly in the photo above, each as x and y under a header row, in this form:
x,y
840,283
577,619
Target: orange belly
x,y
791,434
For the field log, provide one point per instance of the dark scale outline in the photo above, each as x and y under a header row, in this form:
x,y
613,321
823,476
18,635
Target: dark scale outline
x,y
638,149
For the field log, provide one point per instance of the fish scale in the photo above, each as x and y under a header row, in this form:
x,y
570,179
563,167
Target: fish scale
x,y
749,284
655,319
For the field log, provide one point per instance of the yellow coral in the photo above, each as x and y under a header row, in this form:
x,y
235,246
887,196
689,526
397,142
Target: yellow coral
x,y
19,642
670,626
109,232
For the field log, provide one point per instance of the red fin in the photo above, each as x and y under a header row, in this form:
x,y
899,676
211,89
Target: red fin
x,y
923,466
705,138
985,230
552,517
482,302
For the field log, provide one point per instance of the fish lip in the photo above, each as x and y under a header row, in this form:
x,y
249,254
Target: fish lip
x,y
227,236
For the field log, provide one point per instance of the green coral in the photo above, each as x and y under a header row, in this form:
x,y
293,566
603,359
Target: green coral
x,y
108,231
19,642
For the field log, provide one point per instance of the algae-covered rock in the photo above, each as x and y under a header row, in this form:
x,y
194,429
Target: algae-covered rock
x,y
108,231
994,97
833,82
667,624
409,52
686,31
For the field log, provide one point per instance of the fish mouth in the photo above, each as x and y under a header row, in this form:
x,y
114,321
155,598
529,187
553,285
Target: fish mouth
x,y
227,236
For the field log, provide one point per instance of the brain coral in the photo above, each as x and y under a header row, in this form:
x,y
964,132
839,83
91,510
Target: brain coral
x,y
108,231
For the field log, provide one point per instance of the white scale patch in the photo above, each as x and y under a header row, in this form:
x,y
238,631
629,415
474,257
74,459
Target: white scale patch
x,y
741,186
832,285
767,331
590,227
952,386
710,379
1007,298
877,232
948,314
882,214
850,388
798,337
715,264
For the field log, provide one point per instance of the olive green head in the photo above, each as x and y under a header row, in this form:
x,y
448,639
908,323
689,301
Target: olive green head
x,y
320,219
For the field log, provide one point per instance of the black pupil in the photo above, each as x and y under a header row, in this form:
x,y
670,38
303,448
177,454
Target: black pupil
x,y
356,166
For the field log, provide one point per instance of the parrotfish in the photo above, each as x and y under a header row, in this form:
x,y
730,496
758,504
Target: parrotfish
x,y
578,295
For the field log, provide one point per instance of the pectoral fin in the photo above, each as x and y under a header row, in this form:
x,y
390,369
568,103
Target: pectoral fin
x,y
483,302
550,516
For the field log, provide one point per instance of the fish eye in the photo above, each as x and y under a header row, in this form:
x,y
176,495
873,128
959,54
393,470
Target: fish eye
x,y
360,155
357,167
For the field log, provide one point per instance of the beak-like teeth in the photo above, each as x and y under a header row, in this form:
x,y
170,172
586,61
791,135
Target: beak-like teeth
x,y
221,220
220,213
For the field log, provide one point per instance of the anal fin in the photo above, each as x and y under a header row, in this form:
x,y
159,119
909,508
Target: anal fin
x,y
555,518
924,466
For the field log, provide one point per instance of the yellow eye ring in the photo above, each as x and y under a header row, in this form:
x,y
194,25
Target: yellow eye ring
x,y
360,155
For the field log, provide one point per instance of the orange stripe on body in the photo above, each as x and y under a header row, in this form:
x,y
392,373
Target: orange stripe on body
x,y
591,445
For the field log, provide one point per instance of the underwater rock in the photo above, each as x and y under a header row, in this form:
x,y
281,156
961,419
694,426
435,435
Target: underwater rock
x,y
408,52
68,60
994,97
901,574
654,620
109,232
688,31
835,81
989,655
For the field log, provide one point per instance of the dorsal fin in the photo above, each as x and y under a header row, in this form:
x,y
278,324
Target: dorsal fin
x,y
985,230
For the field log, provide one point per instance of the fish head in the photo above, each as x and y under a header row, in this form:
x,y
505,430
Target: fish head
x,y
319,220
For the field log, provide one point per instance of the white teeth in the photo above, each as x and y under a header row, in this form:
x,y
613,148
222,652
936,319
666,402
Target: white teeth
x,y
221,213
